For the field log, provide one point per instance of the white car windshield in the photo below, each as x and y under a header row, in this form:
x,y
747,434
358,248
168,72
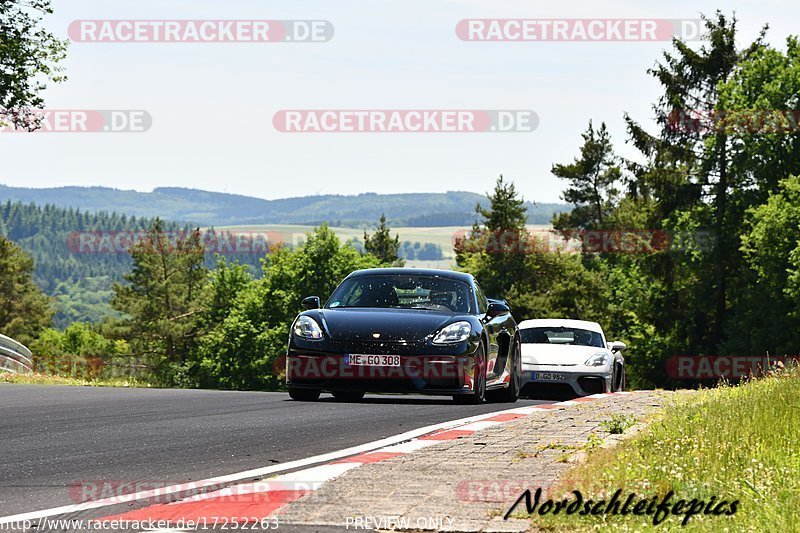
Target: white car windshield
x,y
562,335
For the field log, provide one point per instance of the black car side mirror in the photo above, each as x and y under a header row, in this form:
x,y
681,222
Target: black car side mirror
x,y
497,309
312,302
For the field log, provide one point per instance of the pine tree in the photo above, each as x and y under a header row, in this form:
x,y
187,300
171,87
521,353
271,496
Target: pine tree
x,y
383,246
494,251
164,297
592,179
507,211
24,309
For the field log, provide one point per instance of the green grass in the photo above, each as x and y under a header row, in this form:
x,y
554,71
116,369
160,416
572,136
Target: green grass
x,y
45,379
618,423
733,442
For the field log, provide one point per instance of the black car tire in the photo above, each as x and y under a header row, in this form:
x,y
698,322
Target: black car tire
x,y
304,395
511,393
479,394
348,395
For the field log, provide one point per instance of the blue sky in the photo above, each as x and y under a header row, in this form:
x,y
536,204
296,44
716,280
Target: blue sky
x,y
212,104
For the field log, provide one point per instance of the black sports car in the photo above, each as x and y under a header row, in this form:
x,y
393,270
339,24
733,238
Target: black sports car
x,y
405,330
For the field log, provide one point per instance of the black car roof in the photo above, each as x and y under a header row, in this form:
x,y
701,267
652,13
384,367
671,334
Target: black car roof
x,y
452,274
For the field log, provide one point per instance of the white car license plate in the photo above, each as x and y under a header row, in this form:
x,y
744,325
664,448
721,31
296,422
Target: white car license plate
x,y
548,376
354,359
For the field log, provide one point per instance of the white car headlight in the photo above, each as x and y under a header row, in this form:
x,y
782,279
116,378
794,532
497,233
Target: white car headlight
x,y
307,328
453,333
598,359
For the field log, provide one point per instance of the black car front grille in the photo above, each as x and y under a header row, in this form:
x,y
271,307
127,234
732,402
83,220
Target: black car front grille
x,y
548,391
592,385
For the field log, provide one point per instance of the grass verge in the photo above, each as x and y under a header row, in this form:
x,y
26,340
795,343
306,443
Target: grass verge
x,y
728,443
44,379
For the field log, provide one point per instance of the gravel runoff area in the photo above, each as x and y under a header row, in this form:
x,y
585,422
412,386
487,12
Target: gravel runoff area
x,y
468,484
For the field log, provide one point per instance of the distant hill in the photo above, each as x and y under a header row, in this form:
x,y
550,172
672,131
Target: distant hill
x,y
80,282
220,209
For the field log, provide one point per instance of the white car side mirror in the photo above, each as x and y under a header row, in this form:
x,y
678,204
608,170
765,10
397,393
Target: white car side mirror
x,y
616,346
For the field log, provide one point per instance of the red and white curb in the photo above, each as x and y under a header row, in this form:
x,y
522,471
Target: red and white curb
x,y
260,499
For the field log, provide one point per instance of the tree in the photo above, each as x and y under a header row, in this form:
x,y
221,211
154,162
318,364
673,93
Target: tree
x,y
689,169
592,183
554,283
771,248
228,281
242,351
163,298
85,299
78,351
759,113
29,57
494,251
761,102
24,309
507,211
383,246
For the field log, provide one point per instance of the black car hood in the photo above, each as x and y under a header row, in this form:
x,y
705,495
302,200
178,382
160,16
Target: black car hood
x,y
390,325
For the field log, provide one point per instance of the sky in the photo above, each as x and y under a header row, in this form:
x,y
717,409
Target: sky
x,y
212,104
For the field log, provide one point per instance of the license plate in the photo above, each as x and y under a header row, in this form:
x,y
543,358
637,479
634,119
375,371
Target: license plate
x,y
372,360
547,376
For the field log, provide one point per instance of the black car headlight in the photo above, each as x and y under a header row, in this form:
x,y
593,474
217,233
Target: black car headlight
x,y
453,333
307,328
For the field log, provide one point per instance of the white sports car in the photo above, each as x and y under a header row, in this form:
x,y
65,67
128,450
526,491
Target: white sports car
x,y
560,353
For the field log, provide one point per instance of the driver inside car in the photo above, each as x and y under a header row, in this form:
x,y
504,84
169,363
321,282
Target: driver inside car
x,y
443,298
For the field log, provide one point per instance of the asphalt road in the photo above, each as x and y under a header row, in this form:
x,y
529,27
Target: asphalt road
x,y
54,437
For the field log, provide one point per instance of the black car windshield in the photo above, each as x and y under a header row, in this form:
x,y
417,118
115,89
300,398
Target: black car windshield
x,y
562,335
403,291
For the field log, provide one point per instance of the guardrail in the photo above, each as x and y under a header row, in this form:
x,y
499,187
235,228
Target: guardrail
x,y
14,356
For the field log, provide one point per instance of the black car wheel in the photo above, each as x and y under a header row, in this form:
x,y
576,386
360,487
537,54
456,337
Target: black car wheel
x,y
478,380
304,395
511,393
348,396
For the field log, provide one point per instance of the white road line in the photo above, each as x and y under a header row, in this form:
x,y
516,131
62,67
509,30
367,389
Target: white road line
x,y
319,474
260,472
529,410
